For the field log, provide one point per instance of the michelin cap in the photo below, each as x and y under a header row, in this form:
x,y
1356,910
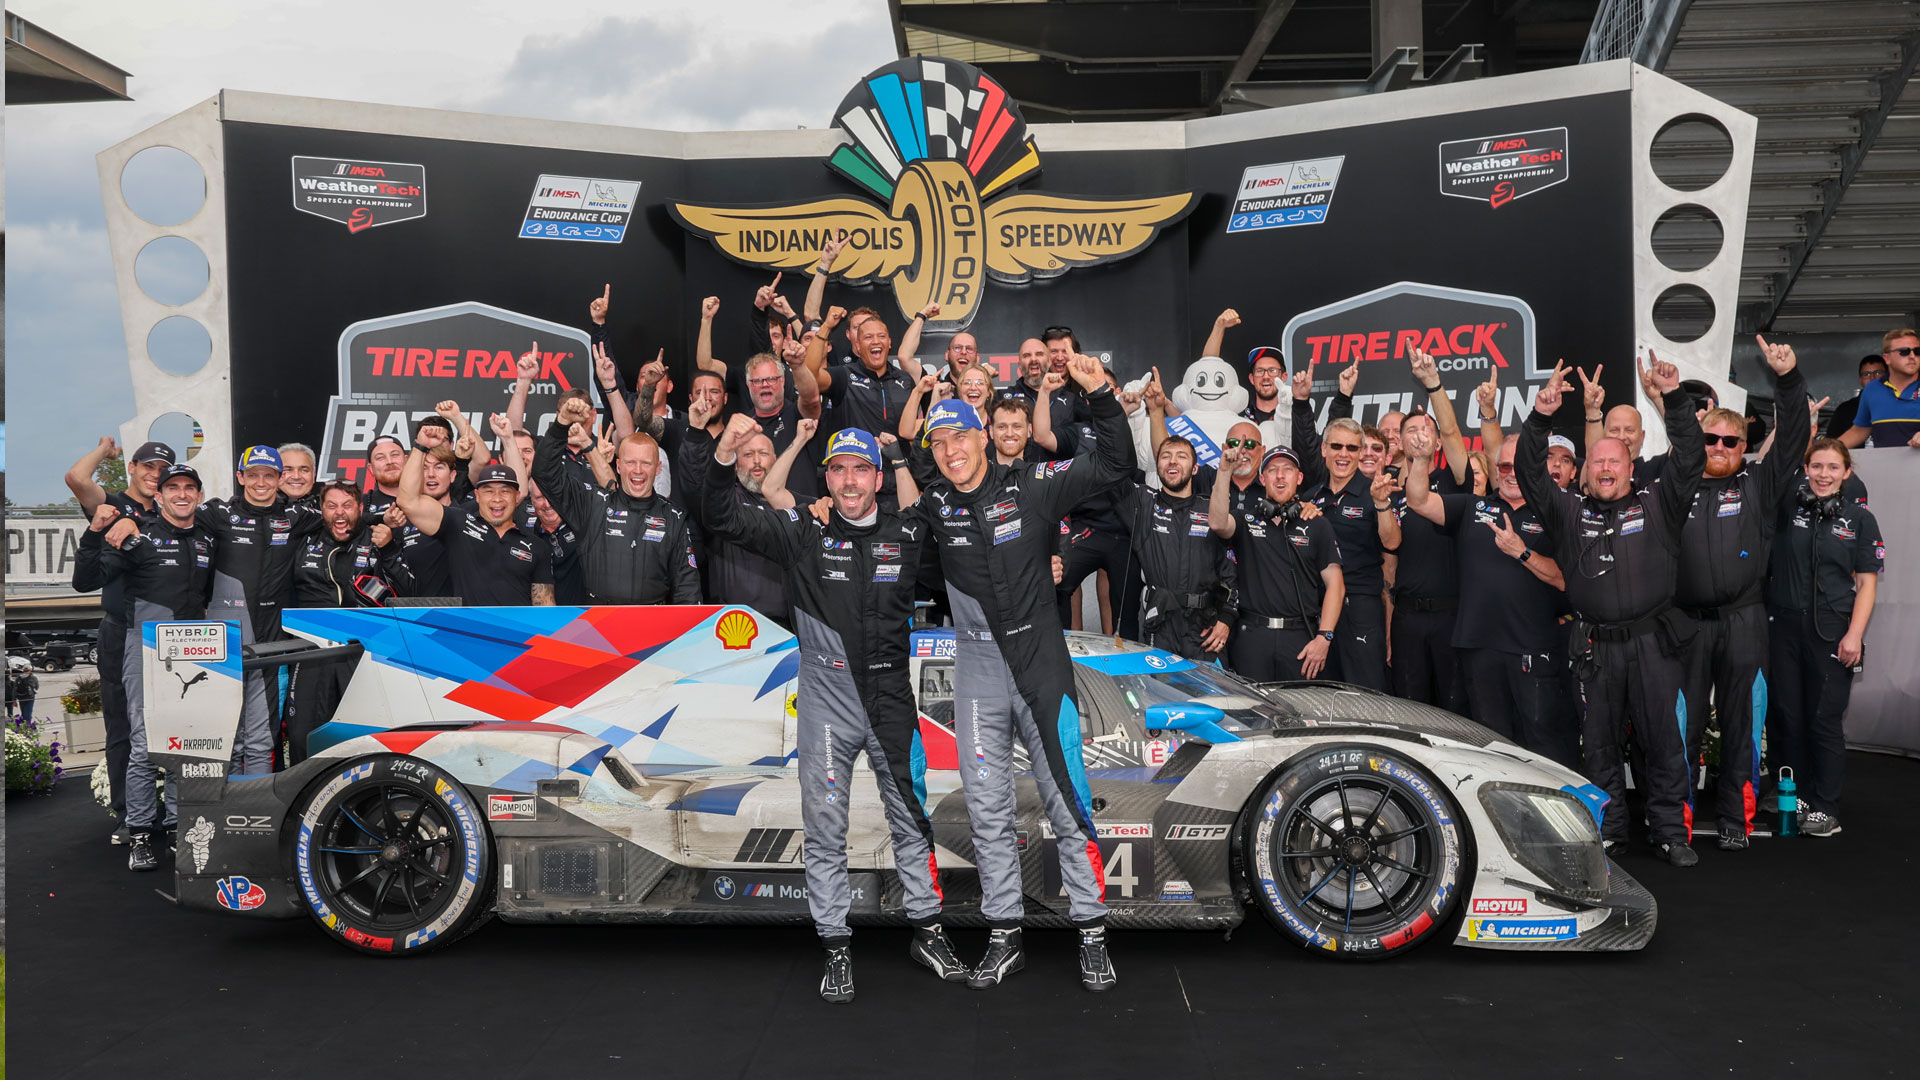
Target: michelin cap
x,y
259,455
951,413
853,442
153,451
1561,442
497,474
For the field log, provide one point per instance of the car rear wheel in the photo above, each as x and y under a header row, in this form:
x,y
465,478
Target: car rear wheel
x,y
392,856
1355,852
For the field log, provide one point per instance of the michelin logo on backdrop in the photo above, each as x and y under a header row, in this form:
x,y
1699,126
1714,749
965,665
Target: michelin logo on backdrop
x,y
581,208
1289,193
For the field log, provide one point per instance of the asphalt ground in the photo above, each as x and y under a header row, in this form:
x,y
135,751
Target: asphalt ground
x,y
1795,958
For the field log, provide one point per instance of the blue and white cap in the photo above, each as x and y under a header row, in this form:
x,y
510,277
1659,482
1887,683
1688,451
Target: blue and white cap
x,y
855,443
951,413
260,455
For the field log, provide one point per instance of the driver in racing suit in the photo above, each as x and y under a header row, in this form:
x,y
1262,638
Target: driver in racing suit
x,y
993,526
850,581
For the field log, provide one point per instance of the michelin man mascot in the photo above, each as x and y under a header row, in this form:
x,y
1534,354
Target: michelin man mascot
x,y
1209,400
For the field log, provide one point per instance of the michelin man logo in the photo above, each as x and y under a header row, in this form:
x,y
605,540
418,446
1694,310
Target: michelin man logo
x,y
1210,385
199,837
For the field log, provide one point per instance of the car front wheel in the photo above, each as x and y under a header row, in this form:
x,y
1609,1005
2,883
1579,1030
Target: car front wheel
x,y
392,856
1355,852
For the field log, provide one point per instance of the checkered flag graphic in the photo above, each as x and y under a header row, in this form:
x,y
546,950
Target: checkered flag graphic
x,y
946,106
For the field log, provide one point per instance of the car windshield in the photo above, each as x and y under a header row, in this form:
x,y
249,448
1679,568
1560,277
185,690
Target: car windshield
x,y
1246,709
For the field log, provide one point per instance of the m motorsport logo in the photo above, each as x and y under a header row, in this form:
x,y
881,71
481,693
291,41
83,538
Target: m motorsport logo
x,y
936,148
359,194
1497,169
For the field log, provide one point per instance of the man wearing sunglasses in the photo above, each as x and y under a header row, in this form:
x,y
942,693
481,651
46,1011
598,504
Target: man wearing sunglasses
x,y
1723,575
1364,529
1889,411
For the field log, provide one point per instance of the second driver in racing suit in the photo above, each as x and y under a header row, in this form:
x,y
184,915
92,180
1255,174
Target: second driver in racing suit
x,y
850,583
1013,680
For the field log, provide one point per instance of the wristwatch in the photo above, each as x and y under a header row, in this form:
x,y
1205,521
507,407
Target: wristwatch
x,y
1596,419
1328,634
1525,554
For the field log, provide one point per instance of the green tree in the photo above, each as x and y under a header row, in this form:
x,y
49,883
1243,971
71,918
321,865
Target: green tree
x,y
111,475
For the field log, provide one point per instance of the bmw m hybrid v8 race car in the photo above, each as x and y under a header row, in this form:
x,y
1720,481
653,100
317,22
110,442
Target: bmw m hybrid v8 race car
x,y
612,764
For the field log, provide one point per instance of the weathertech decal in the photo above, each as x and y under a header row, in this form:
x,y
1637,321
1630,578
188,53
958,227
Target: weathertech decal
x,y
1497,169
359,194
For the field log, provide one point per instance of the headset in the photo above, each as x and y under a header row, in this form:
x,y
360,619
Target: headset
x,y
1820,506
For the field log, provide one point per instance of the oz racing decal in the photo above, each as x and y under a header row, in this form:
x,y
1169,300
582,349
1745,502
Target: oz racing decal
x,y
1497,169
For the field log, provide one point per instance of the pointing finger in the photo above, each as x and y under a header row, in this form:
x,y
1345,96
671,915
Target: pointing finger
x,y
776,279
606,291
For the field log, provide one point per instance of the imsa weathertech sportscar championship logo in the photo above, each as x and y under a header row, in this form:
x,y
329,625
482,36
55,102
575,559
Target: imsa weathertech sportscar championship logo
x,y
359,194
937,146
1497,169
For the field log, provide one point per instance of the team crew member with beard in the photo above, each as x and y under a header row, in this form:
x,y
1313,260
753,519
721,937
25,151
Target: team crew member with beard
x,y
779,419
1013,678
635,545
259,534
736,573
1722,585
1188,604
569,588
1508,633
1287,559
144,470
1618,548
385,458
1363,525
494,561
1827,559
345,565
167,567
851,582
422,568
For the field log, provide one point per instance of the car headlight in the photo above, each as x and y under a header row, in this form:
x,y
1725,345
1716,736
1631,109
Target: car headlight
x,y
1551,834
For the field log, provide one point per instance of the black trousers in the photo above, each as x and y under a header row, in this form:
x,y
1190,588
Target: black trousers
x,y
1088,551
1808,708
317,688
1426,666
1526,699
1260,654
1636,687
1723,673
1179,632
113,708
1360,643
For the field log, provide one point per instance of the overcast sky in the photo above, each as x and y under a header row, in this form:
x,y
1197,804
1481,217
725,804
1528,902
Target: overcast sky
x,y
716,65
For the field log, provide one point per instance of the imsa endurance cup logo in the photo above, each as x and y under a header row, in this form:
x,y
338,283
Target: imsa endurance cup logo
x,y
937,146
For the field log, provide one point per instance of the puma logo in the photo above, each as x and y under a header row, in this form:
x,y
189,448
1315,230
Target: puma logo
x,y
187,684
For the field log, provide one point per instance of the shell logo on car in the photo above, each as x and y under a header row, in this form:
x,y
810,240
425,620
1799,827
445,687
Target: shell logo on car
x,y
736,630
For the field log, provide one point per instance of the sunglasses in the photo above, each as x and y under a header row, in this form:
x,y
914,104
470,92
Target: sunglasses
x,y
1725,440
1232,444
1057,331
1904,351
1505,466
1353,447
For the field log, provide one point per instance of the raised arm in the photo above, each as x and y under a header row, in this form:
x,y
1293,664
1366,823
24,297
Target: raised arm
x,y
569,500
1486,400
527,367
908,353
1530,459
1419,490
1216,338
1306,435
910,418
1155,399
1068,483
817,288
1687,448
651,377
1219,518
1386,522
421,509
1793,425
773,487
1439,406
80,479
703,344
1043,437
92,568
771,534
816,359
609,377
1593,398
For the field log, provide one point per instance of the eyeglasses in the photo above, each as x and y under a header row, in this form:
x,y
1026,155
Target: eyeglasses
x,y
765,381
1505,466
1351,447
1232,444
1725,440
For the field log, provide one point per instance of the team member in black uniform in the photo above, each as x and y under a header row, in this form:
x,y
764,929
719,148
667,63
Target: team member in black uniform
x,y
1426,590
1013,678
1364,526
168,570
144,469
569,587
1827,558
1288,566
1723,573
1618,548
869,394
493,560
1188,606
385,458
635,545
850,580
1508,633
347,564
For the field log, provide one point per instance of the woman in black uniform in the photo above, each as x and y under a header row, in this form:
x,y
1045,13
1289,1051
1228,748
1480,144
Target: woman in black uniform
x,y
1827,556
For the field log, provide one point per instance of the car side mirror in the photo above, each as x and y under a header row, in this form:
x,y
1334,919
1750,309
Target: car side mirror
x,y
1196,718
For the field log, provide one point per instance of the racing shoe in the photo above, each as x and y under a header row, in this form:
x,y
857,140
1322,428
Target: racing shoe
x,y
1096,967
120,835
1733,838
932,948
837,984
1004,957
1680,854
1819,823
1614,848
140,854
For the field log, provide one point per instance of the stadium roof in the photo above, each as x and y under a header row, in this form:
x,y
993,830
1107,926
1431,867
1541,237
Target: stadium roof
x,y
43,69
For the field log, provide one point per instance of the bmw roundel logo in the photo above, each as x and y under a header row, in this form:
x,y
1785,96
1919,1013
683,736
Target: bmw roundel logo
x,y
1155,662
946,511
723,887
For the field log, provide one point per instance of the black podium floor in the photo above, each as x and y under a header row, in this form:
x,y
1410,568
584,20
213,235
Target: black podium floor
x,y
1794,958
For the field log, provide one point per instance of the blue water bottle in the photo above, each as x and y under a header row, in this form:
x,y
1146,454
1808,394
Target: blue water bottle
x,y
1788,803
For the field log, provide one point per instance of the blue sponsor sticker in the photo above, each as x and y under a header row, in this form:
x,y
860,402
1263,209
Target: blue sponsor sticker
x,y
1522,929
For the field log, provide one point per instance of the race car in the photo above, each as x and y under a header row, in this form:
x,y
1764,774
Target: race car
x,y
637,764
